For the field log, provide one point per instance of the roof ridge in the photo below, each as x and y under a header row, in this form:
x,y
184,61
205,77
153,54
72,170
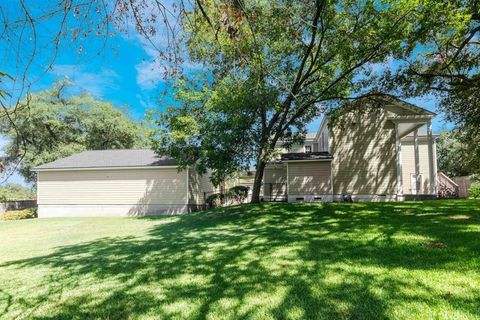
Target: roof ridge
x,y
108,158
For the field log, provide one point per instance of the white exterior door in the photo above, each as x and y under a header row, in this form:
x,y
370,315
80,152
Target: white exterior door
x,y
413,184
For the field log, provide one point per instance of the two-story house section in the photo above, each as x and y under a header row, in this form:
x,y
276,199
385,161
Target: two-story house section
x,y
375,152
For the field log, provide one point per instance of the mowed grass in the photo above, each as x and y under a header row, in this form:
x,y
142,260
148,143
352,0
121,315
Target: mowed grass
x,y
411,260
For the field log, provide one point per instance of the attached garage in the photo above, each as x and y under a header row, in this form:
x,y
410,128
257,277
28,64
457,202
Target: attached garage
x,y
117,183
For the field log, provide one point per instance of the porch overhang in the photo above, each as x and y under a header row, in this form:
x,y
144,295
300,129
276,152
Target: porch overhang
x,y
406,124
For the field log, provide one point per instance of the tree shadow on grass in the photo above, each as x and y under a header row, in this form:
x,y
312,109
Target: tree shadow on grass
x,y
280,261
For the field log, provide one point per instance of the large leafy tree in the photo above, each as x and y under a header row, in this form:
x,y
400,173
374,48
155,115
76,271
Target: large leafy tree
x,y
448,68
216,128
455,157
57,124
274,65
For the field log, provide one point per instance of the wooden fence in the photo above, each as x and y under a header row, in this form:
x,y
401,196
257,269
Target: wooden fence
x,y
464,184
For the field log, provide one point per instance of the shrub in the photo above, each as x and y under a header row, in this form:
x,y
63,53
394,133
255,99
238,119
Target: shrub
x,y
474,190
238,193
475,177
20,214
215,200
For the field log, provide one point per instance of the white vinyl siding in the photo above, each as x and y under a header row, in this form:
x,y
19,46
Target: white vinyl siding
x,y
113,187
364,155
324,141
309,178
296,148
408,165
275,182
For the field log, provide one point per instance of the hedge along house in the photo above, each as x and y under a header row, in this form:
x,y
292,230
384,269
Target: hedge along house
x,y
118,183
377,154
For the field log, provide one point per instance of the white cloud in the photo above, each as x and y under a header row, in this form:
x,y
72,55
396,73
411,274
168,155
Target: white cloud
x,y
145,102
152,70
149,74
96,83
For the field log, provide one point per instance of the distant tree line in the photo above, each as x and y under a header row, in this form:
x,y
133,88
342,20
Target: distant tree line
x,y
57,124
15,191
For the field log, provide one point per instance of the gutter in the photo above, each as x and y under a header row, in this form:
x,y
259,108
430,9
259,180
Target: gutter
x,y
101,168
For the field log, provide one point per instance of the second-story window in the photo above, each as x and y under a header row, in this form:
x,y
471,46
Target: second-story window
x,y
308,149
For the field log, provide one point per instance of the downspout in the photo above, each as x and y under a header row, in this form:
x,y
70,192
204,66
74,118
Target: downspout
x,y
287,188
331,179
398,147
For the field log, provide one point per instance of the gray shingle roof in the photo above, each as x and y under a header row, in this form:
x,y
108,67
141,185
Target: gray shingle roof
x,y
322,155
110,159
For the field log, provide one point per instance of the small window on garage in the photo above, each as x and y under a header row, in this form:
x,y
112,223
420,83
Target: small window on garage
x,y
308,149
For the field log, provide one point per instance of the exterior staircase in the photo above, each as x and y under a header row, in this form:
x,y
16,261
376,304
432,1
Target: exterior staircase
x,y
447,188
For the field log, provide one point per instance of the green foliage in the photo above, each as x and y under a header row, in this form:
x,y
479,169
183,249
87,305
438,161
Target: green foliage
x,y
456,154
475,177
215,200
274,66
213,127
19,214
463,109
4,94
54,125
238,193
13,191
234,195
474,190
448,69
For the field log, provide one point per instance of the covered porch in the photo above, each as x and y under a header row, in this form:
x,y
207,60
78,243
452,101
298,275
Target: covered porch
x,y
415,156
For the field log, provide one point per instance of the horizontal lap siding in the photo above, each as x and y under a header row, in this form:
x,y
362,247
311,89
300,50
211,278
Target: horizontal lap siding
x,y
275,181
309,178
363,148
200,186
408,165
116,187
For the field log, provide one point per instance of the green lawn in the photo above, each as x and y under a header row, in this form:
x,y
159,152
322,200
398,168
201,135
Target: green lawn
x,y
411,260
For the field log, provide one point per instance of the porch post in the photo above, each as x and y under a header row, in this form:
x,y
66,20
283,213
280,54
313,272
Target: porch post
x,y
432,160
417,162
398,147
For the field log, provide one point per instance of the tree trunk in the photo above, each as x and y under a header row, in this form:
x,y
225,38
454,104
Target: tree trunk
x,y
257,182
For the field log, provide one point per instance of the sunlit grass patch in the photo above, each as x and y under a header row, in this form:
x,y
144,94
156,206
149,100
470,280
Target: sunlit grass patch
x,y
292,261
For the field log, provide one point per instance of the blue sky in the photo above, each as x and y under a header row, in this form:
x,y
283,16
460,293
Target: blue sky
x,y
124,73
